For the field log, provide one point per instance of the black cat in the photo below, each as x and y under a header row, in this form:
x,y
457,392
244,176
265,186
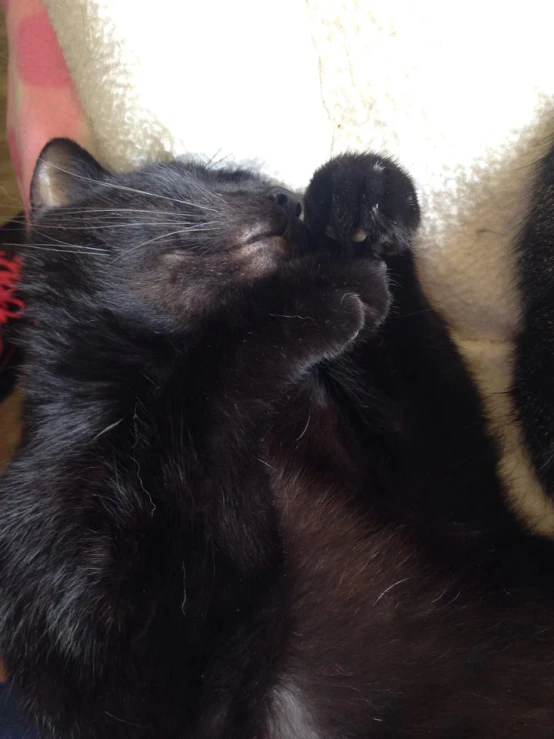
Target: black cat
x,y
255,497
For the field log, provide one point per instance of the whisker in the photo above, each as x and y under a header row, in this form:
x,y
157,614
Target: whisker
x,y
65,243
130,224
210,193
211,160
61,243
150,211
75,249
126,188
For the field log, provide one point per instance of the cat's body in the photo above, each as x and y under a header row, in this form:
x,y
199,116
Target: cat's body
x,y
255,496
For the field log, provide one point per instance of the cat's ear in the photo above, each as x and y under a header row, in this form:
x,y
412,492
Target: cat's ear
x,y
64,173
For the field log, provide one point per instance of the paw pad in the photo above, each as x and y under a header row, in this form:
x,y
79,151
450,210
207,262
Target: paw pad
x,y
358,235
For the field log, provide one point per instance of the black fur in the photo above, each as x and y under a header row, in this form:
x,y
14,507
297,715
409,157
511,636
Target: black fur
x,y
255,497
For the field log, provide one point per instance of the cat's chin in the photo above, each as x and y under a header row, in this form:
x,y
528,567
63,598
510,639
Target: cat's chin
x,y
263,254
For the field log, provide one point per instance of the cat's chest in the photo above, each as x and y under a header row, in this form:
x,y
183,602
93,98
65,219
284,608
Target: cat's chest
x,y
334,550
324,427
348,575
358,583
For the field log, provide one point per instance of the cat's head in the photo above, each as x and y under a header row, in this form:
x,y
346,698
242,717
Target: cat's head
x,y
178,235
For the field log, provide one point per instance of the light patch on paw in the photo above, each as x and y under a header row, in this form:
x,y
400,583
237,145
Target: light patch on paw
x,y
330,232
359,235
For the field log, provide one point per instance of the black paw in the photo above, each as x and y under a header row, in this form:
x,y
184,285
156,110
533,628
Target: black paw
x,y
321,325
364,203
317,308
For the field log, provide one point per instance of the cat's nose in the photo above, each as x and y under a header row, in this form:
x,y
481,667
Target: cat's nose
x,y
288,201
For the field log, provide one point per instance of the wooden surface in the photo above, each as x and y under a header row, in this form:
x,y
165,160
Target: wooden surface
x,y
9,204
9,193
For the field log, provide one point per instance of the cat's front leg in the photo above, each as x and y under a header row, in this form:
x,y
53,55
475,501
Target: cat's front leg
x,y
313,310
360,209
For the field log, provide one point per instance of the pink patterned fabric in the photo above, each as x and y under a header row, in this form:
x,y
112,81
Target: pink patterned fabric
x,y
42,104
42,101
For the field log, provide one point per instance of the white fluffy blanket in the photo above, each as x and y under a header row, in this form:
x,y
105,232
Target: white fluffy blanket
x,y
461,93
